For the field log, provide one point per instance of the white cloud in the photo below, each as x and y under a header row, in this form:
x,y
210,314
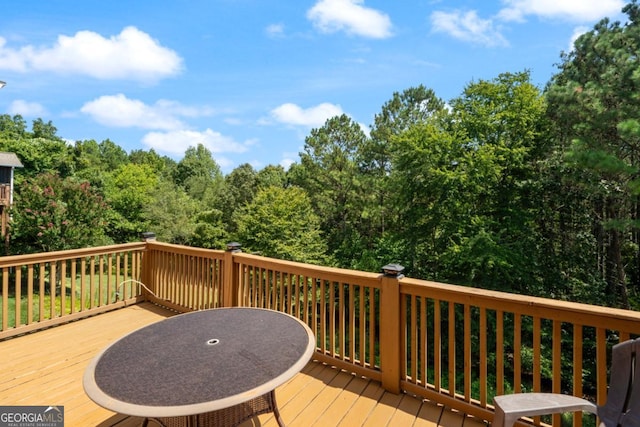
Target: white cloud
x,y
27,109
467,26
365,129
571,10
130,55
351,16
177,141
275,30
233,121
120,111
286,163
577,32
316,116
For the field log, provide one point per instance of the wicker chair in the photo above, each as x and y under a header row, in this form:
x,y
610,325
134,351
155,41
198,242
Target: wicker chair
x,y
227,417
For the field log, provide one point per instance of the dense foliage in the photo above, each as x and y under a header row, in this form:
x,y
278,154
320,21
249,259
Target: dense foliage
x,y
508,186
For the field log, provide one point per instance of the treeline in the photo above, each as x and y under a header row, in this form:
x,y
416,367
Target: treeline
x,y
508,186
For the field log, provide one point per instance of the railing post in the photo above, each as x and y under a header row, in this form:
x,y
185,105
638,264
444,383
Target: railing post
x,y
145,275
390,327
230,277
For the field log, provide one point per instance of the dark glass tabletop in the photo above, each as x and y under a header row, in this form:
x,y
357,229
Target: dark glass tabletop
x,y
198,362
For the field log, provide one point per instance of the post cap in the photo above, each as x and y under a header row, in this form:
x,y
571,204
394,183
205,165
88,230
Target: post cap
x,y
233,246
148,235
393,270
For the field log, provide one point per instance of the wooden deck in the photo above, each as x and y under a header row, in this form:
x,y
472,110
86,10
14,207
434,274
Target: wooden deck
x,y
46,368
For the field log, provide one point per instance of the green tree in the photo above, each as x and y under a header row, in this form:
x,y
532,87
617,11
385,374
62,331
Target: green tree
x,y
40,129
404,110
39,155
238,190
281,223
271,176
412,107
170,213
93,161
12,127
463,185
330,173
86,157
54,214
129,190
161,165
210,230
199,174
502,124
593,100
429,196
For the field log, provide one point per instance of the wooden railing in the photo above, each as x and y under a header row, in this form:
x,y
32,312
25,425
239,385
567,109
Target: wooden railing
x,y
342,307
184,278
454,345
42,290
5,194
461,346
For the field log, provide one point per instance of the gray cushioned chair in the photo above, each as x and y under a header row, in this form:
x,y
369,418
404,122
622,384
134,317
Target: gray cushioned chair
x,y
623,398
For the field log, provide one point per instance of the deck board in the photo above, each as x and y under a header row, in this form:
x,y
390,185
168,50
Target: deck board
x,y
46,368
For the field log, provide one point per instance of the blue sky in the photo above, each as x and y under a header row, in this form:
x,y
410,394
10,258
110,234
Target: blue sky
x,y
249,79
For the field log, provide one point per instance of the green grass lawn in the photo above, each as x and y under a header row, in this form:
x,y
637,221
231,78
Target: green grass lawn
x,y
98,297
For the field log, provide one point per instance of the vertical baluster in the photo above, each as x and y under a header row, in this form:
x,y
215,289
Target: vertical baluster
x,y
284,283
577,369
125,271
415,331
63,287
41,296
601,365
5,299
111,283
499,352
332,319
362,323
18,296
100,280
314,305
30,294
52,289
517,355
451,340
537,354
323,320
423,341
373,326
341,320
74,285
437,345
483,356
92,282
307,290
466,366
557,363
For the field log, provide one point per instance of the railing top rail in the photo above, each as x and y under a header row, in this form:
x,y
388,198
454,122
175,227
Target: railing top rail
x,y
14,260
316,271
184,250
575,312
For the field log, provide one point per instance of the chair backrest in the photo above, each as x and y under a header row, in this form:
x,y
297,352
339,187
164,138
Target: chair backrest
x,y
623,399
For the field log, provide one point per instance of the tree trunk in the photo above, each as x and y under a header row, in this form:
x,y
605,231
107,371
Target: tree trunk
x,y
616,276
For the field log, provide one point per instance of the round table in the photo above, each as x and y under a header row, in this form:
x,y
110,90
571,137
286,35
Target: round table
x,y
199,362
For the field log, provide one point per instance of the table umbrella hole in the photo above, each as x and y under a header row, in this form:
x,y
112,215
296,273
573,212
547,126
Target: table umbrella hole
x,y
213,341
